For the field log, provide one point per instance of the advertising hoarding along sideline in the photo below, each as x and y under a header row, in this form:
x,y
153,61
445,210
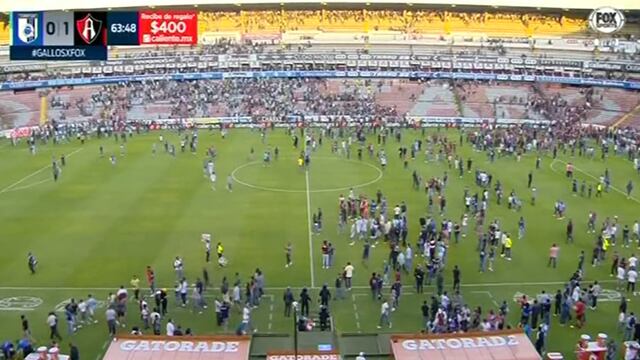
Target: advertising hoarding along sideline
x,y
179,348
303,355
507,345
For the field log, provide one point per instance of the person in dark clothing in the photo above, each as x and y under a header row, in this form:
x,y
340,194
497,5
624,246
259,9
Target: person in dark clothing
x,y
324,318
557,303
425,315
540,335
325,296
288,301
419,275
305,299
74,354
439,283
536,309
456,278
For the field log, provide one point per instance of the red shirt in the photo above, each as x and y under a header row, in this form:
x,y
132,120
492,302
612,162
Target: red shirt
x,y
325,249
580,308
150,276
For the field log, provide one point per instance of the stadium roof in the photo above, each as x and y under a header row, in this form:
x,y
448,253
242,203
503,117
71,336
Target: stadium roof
x,y
35,5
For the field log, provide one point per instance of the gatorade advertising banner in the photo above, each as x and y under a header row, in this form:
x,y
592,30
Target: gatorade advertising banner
x,y
179,348
303,355
472,346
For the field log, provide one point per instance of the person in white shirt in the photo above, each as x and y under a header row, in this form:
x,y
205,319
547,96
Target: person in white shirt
x,y
348,274
170,328
385,311
361,356
82,311
112,320
52,322
622,321
92,305
155,322
621,277
122,293
575,296
632,351
246,318
178,266
632,277
633,261
184,289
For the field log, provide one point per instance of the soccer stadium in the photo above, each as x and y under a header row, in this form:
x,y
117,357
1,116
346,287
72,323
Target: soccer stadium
x,y
451,179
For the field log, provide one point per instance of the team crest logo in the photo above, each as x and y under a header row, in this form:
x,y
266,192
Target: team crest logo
x,y
27,28
89,28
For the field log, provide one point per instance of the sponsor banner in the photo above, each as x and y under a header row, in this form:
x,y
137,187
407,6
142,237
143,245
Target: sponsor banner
x,y
497,345
168,27
20,132
299,74
129,30
262,37
14,68
179,348
303,355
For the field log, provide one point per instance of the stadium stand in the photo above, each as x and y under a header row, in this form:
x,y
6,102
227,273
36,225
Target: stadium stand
x,y
363,98
410,21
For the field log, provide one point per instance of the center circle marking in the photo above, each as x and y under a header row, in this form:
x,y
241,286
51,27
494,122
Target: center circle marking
x,y
275,189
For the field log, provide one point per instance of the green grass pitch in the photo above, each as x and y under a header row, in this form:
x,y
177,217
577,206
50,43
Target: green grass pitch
x,y
100,224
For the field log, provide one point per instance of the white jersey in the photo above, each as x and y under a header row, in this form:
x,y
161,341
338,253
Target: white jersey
x,y
621,273
177,264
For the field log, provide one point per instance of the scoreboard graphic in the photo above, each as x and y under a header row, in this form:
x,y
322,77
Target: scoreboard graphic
x,y
86,35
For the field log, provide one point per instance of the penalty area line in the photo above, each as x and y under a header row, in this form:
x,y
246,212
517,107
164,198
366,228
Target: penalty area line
x,y
592,177
8,188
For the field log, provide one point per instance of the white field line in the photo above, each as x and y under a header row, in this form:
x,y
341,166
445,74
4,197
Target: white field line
x,y
624,193
29,186
313,277
272,298
307,187
489,294
104,348
33,174
113,288
355,310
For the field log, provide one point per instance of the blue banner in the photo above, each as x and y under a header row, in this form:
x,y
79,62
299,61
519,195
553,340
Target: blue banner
x,y
304,74
47,53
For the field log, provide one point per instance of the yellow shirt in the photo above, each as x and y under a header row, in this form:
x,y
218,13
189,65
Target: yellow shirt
x,y
300,162
508,243
220,249
135,283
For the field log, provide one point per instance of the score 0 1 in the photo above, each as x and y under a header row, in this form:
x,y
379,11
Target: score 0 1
x,y
58,28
